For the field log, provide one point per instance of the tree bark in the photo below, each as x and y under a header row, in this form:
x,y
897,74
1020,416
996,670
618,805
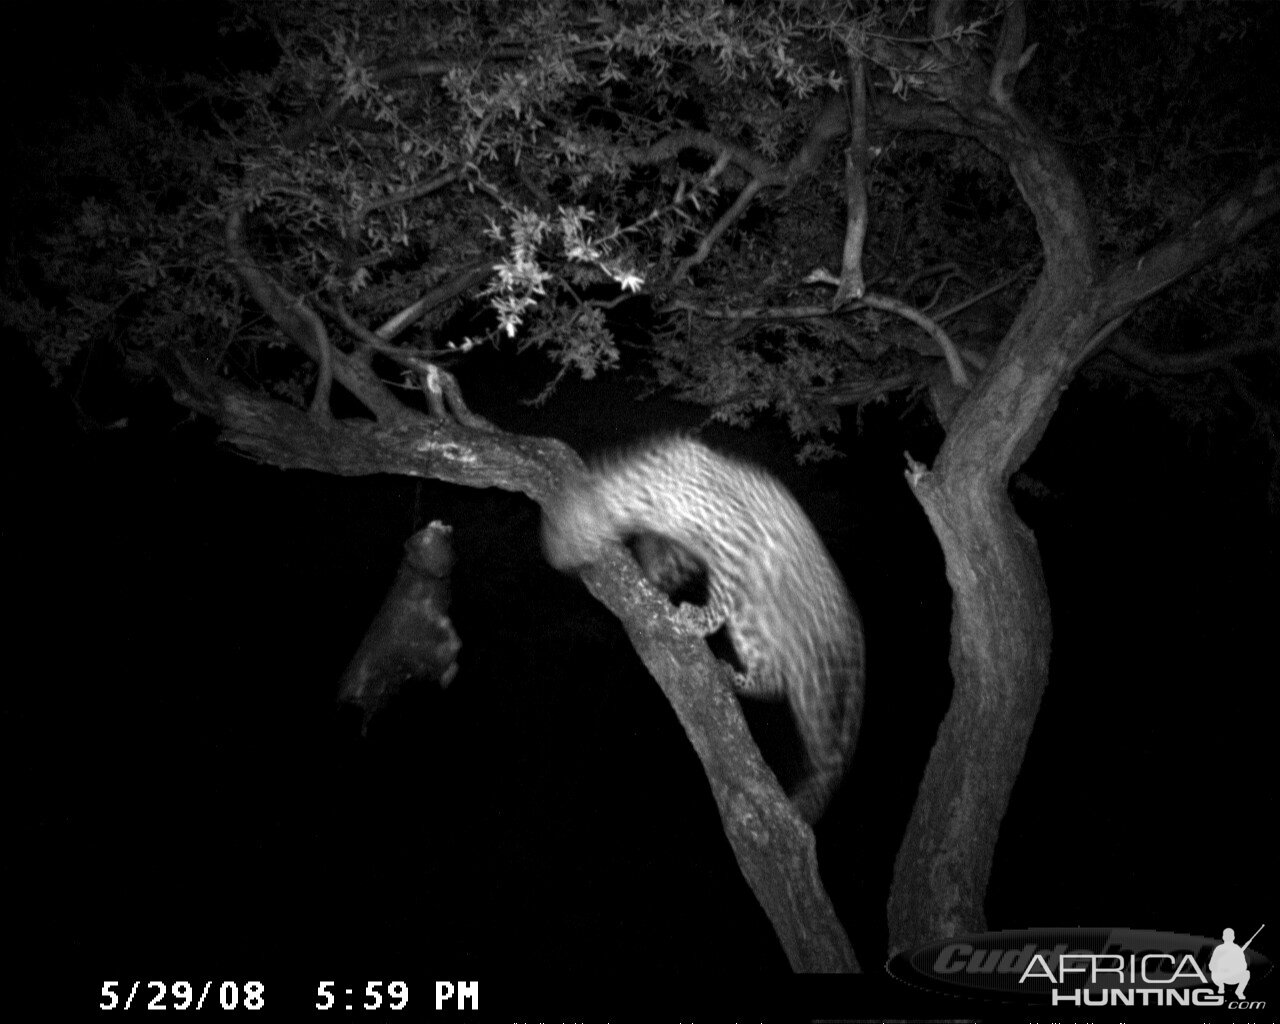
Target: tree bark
x,y
774,848
1000,633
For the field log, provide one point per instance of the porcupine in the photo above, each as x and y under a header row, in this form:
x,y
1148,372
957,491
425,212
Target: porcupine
x,y
769,581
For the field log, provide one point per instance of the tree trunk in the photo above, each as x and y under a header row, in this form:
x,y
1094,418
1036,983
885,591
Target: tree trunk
x,y
1001,632
1001,629
1000,640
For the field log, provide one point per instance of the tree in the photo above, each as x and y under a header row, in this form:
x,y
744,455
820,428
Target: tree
x,y
781,194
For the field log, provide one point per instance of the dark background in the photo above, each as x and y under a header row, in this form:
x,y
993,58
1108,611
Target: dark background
x,y
187,799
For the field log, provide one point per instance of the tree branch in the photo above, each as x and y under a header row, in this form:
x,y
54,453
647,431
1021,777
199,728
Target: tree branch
x,y
1186,363
407,195
1010,58
721,226
852,283
471,277
1000,285
673,144
304,327
1230,218
930,327
827,126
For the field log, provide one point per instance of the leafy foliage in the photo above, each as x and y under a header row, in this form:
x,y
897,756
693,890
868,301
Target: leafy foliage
x,y
380,148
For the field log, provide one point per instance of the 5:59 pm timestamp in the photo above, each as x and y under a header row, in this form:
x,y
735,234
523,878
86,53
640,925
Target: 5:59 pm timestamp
x,y
378,995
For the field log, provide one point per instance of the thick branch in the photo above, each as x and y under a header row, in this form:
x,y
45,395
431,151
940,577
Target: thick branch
x,y
416,445
774,849
1230,218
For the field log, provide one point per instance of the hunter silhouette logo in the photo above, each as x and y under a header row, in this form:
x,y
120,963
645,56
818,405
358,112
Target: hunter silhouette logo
x,y
1089,967
1227,966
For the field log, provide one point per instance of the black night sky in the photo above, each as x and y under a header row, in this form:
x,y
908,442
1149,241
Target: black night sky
x,y
186,799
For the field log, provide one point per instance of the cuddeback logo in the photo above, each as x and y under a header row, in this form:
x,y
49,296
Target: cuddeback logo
x,y
1078,967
